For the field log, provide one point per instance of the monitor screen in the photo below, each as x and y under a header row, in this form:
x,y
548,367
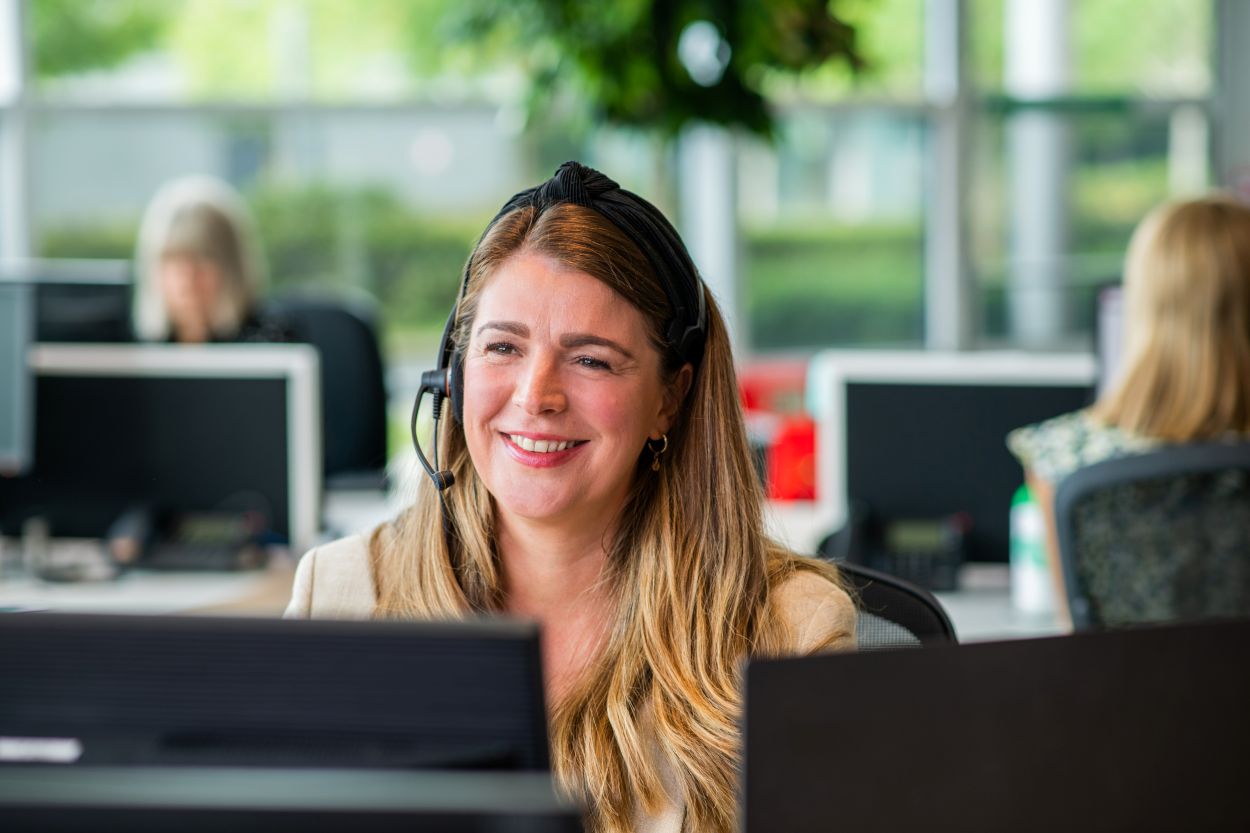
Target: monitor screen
x,y
85,301
921,435
216,428
929,451
83,312
134,690
105,443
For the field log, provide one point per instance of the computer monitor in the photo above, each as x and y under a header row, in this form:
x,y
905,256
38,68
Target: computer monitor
x,y
184,691
16,394
922,435
1143,729
84,301
187,428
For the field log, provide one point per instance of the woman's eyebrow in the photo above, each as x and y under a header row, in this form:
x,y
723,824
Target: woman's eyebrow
x,y
572,341
518,330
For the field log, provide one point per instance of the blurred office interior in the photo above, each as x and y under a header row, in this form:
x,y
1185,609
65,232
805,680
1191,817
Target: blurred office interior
x,y
969,188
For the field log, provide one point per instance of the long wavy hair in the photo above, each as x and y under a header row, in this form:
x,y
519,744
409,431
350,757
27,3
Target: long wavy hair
x,y
1187,356
690,567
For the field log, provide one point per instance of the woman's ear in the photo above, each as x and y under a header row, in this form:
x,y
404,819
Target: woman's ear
x,y
673,397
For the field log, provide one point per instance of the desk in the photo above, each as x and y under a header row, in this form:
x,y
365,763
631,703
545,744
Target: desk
x,y
980,610
254,593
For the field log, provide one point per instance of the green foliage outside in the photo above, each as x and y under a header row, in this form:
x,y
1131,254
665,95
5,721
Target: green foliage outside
x,y
1119,173
71,36
834,285
113,240
621,59
232,50
368,239
889,36
227,49
1119,47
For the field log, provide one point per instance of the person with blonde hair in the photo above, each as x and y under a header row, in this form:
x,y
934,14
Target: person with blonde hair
x,y
1186,366
603,486
199,271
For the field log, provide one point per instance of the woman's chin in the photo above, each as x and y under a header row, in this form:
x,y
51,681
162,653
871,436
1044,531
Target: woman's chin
x,y
540,505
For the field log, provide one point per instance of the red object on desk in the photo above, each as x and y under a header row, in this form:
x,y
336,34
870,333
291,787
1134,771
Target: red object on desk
x,y
772,393
792,461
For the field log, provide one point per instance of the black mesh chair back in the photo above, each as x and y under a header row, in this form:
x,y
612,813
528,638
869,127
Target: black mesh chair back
x,y
894,614
1158,537
353,388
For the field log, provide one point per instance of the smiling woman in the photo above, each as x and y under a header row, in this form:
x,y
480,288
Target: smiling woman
x,y
603,486
560,399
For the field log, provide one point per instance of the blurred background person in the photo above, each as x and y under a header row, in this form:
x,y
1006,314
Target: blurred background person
x,y
198,269
1186,375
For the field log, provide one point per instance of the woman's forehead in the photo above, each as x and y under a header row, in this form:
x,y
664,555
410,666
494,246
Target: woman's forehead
x,y
538,287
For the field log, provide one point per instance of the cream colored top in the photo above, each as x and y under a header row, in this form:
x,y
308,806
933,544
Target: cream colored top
x,y
335,582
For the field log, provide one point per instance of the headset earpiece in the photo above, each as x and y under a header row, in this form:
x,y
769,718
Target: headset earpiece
x,y
455,385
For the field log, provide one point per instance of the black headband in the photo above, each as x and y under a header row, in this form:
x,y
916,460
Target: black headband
x,y
649,230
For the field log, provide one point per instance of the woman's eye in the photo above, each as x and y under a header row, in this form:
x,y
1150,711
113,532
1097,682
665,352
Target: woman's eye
x,y
500,348
590,361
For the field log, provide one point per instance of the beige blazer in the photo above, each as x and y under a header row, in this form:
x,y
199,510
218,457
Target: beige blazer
x,y
335,582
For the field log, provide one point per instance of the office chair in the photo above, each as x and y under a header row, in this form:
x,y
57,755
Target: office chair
x,y
1159,537
894,614
353,389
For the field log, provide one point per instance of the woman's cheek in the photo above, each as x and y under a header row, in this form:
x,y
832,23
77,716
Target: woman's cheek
x,y
618,410
485,389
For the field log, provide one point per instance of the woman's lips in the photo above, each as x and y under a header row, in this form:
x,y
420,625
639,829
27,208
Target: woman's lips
x,y
542,453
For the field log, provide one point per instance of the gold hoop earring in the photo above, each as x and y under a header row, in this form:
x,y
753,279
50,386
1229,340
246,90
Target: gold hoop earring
x,y
655,464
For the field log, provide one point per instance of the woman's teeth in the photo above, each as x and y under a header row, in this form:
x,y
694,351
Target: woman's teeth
x,y
541,446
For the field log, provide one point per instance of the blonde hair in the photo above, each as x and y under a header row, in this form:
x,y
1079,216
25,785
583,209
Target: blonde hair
x,y
690,567
1187,355
202,218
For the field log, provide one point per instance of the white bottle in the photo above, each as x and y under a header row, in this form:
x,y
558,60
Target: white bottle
x,y
1032,585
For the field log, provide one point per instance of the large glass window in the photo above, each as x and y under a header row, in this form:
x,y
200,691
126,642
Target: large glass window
x,y
832,230
372,146
1063,170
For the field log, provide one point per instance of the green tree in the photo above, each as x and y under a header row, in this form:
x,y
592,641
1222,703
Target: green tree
x,y
69,36
623,58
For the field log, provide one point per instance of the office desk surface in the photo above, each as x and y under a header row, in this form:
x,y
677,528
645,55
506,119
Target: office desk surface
x,y
979,614
256,593
981,608
981,611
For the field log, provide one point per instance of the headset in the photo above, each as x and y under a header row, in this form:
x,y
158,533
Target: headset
x,y
641,222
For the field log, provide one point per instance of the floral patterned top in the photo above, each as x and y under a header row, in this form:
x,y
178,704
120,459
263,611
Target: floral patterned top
x,y
1056,448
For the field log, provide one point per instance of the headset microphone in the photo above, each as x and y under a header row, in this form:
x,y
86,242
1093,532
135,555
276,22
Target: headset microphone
x,y
435,383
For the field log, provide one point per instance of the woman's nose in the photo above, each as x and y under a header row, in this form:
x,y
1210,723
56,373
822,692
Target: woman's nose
x,y
540,389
